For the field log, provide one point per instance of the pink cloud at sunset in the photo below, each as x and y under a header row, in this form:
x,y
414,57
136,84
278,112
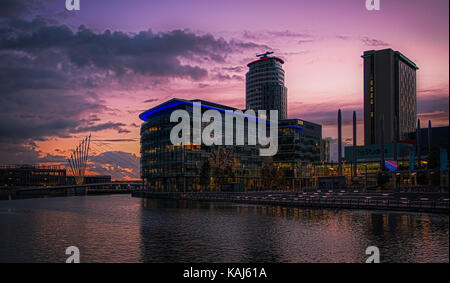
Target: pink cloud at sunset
x,y
67,74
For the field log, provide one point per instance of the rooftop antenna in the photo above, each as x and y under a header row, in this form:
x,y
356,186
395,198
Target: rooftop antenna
x,y
264,55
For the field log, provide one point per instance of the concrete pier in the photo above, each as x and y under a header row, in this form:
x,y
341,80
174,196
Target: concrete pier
x,y
68,190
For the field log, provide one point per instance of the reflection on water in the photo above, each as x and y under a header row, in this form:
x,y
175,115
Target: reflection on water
x,y
119,228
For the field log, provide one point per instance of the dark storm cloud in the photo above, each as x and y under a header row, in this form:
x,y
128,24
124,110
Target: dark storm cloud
x,y
431,103
327,115
119,127
18,153
10,8
49,73
40,113
37,102
18,75
433,100
28,153
147,53
25,128
237,69
227,77
115,140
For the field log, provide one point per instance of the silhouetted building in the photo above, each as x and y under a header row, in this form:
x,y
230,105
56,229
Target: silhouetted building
x,y
369,153
99,179
265,88
438,139
31,175
389,92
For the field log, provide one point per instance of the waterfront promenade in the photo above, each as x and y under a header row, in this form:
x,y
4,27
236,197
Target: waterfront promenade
x,y
66,190
434,202
339,199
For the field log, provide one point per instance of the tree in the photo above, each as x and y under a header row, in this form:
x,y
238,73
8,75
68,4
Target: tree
x,y
205,174
229,174
219,178
278,177
266,176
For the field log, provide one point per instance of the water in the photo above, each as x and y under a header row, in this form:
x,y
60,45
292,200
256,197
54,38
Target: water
x,y
119,228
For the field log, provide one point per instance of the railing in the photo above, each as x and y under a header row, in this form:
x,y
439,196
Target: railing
x,y
416,205
441,206
31,166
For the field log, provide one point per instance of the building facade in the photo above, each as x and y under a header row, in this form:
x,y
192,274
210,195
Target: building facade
x,y
197,167
191,167
430,140
299,142
31,175
389,94
265,89
372,153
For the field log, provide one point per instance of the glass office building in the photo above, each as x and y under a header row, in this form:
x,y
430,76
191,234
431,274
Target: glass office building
x,y
191,167
197,167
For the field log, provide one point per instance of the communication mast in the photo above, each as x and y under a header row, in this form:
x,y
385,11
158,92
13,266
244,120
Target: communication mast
x,y
264,55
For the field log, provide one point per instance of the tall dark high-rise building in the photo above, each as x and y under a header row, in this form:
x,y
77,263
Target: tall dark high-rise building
x,y
265,88
389,92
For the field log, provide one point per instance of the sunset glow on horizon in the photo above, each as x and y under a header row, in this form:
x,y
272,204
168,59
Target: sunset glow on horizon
x,y
68,74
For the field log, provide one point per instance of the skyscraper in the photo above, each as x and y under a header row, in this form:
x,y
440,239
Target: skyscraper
x,y
389,93
265,88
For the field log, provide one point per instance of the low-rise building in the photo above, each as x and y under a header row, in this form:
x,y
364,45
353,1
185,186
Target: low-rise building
x,y
31,175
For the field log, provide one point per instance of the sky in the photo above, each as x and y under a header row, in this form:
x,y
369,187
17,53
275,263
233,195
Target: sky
x,y
67,74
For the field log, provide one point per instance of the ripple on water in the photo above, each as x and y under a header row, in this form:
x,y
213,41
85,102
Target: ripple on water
x,y
119,228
